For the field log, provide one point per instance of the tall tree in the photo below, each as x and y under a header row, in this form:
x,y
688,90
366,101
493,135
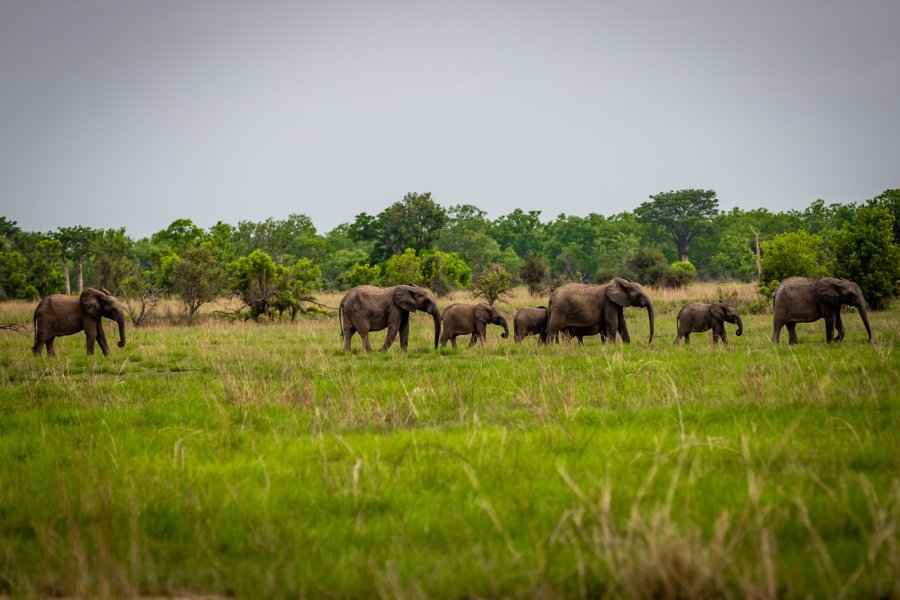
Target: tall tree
x,y
682,214
415,222
76,246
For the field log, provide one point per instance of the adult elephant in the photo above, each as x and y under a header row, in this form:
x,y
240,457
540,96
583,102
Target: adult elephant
x,y
59,315
804,300
465,319
696,317
591,309
368,308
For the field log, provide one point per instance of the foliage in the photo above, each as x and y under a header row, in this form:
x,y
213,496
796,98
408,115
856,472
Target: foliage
x,y
796,253
361,274
14,277
256,278
415,222
646,265
43,274
534,273
865,252
140,296
111,252
296,286
443,272
680,274
466,235
682,214
197,277
492,285
403,269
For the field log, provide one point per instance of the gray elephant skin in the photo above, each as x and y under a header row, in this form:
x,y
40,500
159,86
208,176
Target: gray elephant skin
x,y
465,319
581,309
59,315
696,317
367,308
804,300
530,320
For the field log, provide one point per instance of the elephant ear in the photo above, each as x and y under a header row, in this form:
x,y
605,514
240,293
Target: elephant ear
x,y
616,291
828,289
403,297
717,310
482,313
90,303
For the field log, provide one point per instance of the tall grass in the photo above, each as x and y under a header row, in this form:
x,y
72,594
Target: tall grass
x,y
236,458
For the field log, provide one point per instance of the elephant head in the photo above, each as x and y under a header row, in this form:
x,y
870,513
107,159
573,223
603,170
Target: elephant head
x,y
100,303
726,313
490,315
412,298
837,292
625,292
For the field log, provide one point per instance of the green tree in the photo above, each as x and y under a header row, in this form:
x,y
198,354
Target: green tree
x,y
76,244
295,287
534,273
466,234
891,200
444,271
14,277
361,274
255,279
865,252
178,236
404,269
796,253
42,269
415,222
492,285
646,265
112,253
522,231
683,215
197,277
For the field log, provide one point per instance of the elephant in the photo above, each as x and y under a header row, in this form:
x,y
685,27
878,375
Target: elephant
x,y
696,317
463,319
59,315
530,321
804,300
580,309
368,308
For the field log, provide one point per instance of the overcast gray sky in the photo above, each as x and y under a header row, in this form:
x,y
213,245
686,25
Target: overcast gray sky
x,y
137,113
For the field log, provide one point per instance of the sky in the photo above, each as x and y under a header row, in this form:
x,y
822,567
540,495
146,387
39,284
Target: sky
x,y
136,113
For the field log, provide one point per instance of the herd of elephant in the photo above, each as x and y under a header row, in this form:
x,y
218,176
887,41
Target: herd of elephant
x,y
574,310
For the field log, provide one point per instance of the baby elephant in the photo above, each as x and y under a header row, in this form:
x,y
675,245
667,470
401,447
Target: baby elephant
x,y
530,321
463,319
695,317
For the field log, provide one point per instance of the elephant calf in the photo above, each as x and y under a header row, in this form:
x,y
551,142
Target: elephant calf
x,y
696,317
530,321
463,319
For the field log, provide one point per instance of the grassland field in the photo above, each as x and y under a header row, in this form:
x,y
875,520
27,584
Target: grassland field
x,y
259,460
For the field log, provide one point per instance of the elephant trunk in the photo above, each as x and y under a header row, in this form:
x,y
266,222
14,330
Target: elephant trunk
x,y
120,321
650,316
436,315
740,325
864,315
505,325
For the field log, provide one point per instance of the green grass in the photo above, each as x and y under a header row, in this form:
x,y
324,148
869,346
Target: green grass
x,y
260,460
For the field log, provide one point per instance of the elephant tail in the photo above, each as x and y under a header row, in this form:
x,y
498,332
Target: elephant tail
x,y
341,318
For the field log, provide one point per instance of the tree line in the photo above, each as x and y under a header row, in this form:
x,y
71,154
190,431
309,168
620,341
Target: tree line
x,y
276,265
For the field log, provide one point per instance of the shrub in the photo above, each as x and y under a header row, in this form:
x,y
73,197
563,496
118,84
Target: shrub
x,y
404,269
796,253
492,285
444,271
865,252
534,273
361,274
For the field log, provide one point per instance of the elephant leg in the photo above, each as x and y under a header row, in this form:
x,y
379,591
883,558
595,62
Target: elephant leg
x,y
364,339
348,331
404,331
90,333
839,324
687,337
776,331
829,327
101,338
389,338
474,340
51,351
724,337
792,332
453,341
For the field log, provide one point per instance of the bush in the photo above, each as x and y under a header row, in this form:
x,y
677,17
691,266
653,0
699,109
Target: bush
x,y
679,274
534,273
444,271
865,252
404,269
795,253
492,285
646,265
361,274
